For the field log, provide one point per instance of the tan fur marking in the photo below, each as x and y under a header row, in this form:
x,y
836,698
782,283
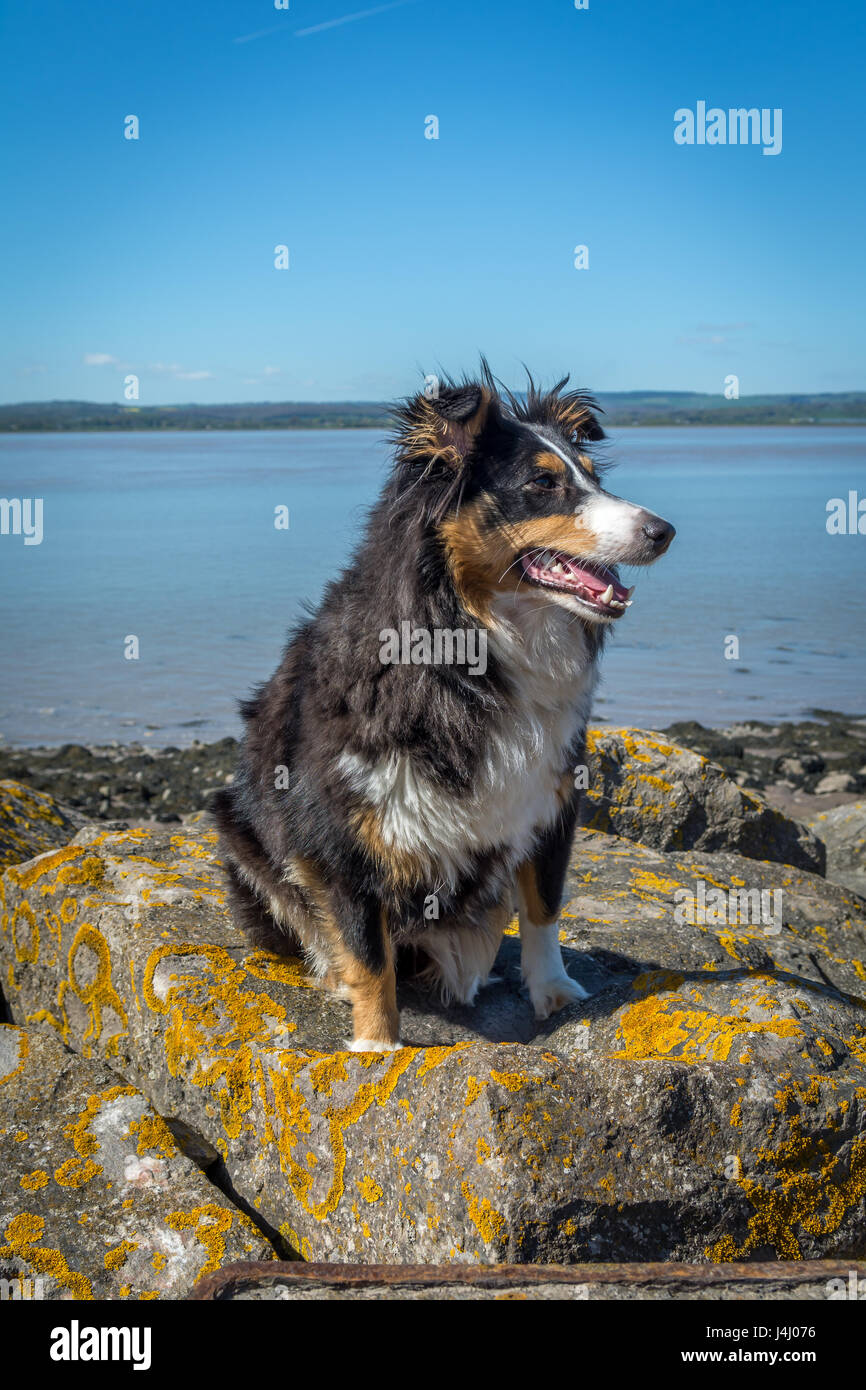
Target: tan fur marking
x,y
304,873
540,915
571,418
482,557
374,997
400,867
316,929
552,462
450,440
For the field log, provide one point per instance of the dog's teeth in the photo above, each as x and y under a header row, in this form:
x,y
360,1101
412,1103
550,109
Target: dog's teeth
x,y
629,592
614,603
607,595
557,568
627,603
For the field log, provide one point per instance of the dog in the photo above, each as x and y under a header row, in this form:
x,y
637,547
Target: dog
x,y
387,800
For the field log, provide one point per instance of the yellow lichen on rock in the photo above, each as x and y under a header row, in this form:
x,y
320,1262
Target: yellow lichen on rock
x,y
798,1186
23,1235
661,1026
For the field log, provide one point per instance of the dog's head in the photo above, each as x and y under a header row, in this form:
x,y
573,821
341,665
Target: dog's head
x,y
513,490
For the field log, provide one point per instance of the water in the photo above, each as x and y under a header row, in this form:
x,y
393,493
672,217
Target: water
x,y
170,538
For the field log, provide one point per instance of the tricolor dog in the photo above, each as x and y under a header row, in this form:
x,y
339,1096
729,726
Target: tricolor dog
x,y
385,798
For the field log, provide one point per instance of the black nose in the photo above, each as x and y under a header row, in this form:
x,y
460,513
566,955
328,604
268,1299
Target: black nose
x,y
661,533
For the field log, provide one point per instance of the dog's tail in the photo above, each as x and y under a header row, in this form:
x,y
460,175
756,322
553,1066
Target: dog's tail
x,y
459,959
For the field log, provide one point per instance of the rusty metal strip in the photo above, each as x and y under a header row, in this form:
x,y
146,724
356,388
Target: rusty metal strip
x,y
355,1276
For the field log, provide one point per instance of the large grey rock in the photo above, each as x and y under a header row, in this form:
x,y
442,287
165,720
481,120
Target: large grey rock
x,y
706,1104
646,788
31,822
96,1201
843,831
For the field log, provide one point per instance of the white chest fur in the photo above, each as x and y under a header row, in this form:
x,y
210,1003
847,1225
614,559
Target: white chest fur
x,y
552,677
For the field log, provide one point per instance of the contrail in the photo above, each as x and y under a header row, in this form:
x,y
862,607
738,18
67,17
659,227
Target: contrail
x,y
347,18
259,34
328,23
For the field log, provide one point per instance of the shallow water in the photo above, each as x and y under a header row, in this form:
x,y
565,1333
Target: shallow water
x,y
171,538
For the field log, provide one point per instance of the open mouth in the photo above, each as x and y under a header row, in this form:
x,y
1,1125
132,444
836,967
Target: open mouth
x,y
594,584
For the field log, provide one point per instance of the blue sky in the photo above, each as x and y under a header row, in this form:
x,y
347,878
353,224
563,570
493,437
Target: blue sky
x,y
261,127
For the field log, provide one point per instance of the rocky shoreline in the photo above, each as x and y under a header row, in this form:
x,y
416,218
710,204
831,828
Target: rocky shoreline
x,y
800,768
175,1105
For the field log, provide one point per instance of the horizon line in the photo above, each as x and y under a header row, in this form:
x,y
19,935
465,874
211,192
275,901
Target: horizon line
x,y
133,406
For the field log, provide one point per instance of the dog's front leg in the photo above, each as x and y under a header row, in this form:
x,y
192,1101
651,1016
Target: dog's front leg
x,y
539,891
363,961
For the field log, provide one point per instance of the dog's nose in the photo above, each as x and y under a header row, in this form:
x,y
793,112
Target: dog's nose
x,y
661,533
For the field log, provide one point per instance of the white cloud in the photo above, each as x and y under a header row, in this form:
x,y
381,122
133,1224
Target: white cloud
x,y
193,376
99,359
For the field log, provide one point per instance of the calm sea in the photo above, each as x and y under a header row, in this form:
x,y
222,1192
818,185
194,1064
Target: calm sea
x,y
170,538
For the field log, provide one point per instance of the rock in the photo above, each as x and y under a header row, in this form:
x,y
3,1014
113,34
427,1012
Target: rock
x,y
843,831
647,789
130,781
815,1280
705,1104
836,782
30,822
138,782
798,768
96,1199
715,744
806,748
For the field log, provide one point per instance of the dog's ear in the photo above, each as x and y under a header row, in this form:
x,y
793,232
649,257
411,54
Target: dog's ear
x,y
443,428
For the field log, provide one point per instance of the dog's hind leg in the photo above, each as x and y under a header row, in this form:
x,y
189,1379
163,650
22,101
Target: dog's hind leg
x,y
265,908
352,951
256,918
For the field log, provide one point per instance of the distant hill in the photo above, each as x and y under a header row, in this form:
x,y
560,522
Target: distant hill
x,y
257,415
693,408
621,408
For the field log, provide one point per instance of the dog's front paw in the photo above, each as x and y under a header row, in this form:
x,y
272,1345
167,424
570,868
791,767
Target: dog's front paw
x,y
550,995
373,1045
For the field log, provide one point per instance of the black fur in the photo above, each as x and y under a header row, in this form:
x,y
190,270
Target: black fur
x,y
467,453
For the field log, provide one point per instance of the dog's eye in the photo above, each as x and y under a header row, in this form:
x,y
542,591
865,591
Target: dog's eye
x,y
546,481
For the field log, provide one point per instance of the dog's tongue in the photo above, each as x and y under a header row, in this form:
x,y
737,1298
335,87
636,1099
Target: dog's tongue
x,y
596,580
